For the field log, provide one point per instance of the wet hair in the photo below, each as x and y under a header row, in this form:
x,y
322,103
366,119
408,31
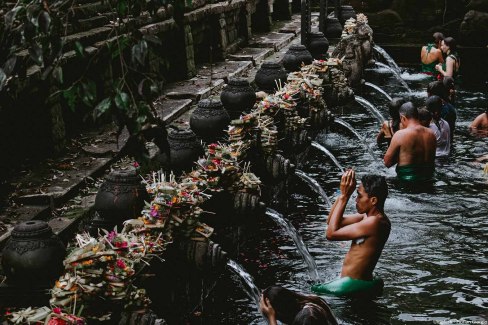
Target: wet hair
x,y
451,42
424,116
376,186
438,37
434,104
311,314
448,82
393,108
437,88
288,304
409,110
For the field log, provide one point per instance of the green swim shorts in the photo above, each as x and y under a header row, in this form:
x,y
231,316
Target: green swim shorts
x,y
347,286
415,172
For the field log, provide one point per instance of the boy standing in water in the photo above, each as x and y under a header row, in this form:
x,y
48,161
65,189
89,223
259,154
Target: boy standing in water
x,y
368,230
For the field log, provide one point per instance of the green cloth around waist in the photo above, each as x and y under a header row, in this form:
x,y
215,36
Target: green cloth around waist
x,y
348,286
415,172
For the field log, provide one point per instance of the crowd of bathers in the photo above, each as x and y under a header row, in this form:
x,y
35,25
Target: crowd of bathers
x,y
416,137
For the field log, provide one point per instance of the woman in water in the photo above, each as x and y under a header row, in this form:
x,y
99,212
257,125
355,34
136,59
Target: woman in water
x,y
451,66
431,55
293,308
390,127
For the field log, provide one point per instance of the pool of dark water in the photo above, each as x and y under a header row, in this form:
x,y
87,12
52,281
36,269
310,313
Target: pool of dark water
x,y
435,263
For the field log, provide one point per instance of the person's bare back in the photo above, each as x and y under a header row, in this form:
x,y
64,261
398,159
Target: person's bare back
x,y
412,148
415,145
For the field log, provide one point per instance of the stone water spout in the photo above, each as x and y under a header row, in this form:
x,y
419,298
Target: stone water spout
x,y
355,47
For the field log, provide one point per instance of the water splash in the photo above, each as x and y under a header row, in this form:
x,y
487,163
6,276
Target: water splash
x,y
302,248
367,104
391,63
250,288
379,89
397,75
356,133
328,154
314,185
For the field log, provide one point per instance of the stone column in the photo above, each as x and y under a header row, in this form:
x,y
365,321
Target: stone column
x,y
305,19
191,70
281,10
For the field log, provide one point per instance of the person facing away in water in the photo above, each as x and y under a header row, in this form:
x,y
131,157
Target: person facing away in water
x,y
412,148
290,307
481,121
431,55
388,128
439,127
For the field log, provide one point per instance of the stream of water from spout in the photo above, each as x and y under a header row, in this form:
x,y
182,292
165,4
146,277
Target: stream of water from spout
x,y
302,248
367,104
379,89
397,75
328,154
391,63
356,133
247,280
314,185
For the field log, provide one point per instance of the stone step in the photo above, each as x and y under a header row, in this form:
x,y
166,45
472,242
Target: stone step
x,y
225,70
170,109
273,40
195,89
253,54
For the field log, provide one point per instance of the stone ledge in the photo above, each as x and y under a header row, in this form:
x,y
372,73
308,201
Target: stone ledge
x,y
194,89
170,109
225,70
254,54
274,40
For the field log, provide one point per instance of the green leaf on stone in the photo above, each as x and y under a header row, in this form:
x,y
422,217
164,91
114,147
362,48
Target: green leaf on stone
x,y
9,65
79,49
10,16
122,101
46,72
89,92
70,95
58,74
139,52
101,108
44,21
122,8
3,79
35,52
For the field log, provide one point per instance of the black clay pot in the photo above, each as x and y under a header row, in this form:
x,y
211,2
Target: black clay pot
x,y
238,97
318,45
33,256
346,13
120,197
333,28
269,76
295,56
184,150
209,120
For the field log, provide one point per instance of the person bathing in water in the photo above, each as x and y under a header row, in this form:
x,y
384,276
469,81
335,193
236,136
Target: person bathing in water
x,y
368,230
431,55
294,308
388,128
412,148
